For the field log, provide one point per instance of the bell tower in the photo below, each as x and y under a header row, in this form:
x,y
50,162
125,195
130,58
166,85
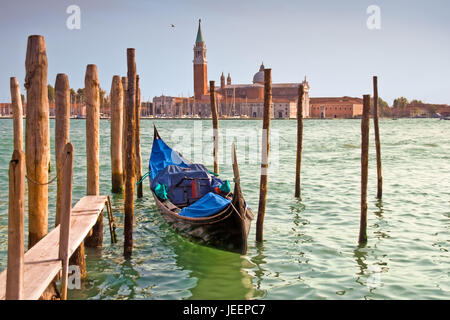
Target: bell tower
x,y
306,107
200,63
222,81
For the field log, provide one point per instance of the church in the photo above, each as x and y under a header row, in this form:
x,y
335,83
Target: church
x,y
244,100
247,100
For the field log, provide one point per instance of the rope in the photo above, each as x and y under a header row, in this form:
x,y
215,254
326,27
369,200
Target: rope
x,y
213,173
112,224
237,210
145,176
48,182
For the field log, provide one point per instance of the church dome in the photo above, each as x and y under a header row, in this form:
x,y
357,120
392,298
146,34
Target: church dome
x,y
259,76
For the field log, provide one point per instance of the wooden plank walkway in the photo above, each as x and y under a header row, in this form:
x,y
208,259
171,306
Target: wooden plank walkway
x,y
41,261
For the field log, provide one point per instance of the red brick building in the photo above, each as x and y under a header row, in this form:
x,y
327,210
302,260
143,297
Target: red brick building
x,y
5,109
341,108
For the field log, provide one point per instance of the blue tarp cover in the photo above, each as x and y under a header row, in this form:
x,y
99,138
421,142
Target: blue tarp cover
x,y
162,156
172,175
177,174
178,182
208,205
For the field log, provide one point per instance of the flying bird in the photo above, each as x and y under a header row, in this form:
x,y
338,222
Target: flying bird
x,y
172,25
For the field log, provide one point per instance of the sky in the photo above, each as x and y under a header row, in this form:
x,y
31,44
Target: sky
x,y
327,41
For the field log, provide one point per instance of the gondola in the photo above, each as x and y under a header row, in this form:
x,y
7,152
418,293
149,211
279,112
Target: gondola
x,y
192,200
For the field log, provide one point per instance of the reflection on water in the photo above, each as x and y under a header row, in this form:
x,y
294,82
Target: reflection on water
x,y
360,255
371,263
380,229
217,274
259,261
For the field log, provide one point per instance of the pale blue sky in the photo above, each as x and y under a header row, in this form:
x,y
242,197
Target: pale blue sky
x,y
326,40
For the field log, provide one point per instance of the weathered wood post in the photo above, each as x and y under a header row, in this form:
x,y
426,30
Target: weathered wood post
x,y
37,139
62,137
130,154
116,134
264,154
377,138
215,121
62,127
364,168
16,102
91,83
298,164
124,130
66,207
16,226
138,139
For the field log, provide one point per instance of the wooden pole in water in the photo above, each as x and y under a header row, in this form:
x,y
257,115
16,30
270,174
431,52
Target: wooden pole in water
x,y
92,132
130,154
298,164
37,139
66,207
377,139
124,121
91,83
16,102
364,168
138,140
264,154
62,127
16,226
62,137
215,121
116,134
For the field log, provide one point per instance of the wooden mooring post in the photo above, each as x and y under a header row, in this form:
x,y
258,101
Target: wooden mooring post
x,y
62,137
264,154
364,168
37,138
298,164
16,102
62,134
377,138
130,153
91,83
116,134
16,226
137,140
124,128
215,122
66,207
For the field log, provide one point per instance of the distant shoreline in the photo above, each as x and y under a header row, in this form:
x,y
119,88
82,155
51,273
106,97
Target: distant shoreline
x,y
244,118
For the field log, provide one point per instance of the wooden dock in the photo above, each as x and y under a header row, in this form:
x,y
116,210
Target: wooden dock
x,y
42,263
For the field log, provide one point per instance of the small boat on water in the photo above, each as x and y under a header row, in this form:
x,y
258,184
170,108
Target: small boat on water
x,y
196,203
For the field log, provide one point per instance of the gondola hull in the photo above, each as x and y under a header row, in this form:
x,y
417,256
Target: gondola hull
x,y
227,230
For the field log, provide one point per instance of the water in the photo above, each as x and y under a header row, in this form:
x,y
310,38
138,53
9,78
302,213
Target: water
x,y
310,249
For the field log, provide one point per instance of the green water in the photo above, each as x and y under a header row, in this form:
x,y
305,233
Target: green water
x,y
310,249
